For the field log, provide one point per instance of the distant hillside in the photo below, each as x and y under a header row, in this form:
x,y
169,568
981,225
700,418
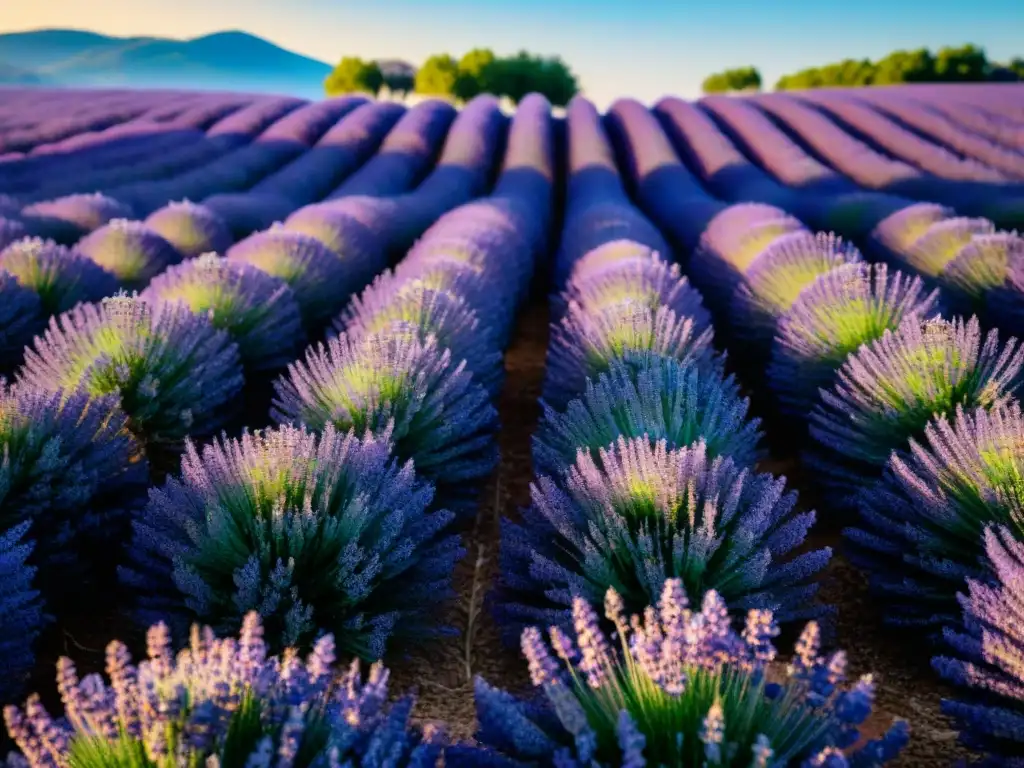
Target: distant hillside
x,y
221,61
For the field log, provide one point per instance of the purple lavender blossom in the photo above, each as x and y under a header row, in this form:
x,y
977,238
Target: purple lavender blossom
x,y
71,469
682,688
392,302
10,230
894,235
641,513
191,228
988,655
584,344
21,611
471,282
981,267
776,278
931,253
258,310
322,282
74,215
887,392
647,282
175,374
653,396
921,530
60,277
830,319
312,531
223,702
343,231
130,251
393,383
21,318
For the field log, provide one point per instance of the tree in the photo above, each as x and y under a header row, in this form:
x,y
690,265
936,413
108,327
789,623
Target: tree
x,y
354,75
437,76
966,64
905,67
474,73
739,79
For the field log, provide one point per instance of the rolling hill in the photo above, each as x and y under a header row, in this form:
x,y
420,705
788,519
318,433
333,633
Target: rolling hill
x,y
229,60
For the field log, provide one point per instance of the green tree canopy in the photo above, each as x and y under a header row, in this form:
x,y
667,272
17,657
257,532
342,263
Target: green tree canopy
x,y
437,76
354,75
739,79
962,64
474,73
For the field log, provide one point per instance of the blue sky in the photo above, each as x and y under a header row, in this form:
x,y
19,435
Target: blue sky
x,y
641,48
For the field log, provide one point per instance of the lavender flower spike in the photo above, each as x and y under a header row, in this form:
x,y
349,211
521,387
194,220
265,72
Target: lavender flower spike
x,y
130,251
21,611
850,306
990,661
438,415
258,310
682,688
584,344
222,702
888,391
921,531
61,277
641,514
174,372
313,532
654,396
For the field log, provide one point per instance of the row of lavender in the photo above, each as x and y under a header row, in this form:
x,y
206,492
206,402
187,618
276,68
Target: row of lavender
x,y
370,553
936,495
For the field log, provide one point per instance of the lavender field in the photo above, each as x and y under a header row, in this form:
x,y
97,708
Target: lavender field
x,y
682,435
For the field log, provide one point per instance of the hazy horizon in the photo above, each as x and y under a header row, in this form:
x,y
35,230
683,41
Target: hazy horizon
x,y
640,49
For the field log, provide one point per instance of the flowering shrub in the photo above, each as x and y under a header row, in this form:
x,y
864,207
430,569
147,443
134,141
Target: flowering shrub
x,y
175,374
888,391
653,396
313,532
850,306
60,277
221,702
585,343
394,303
393,383
933,251
258,310
71,468
683,689
894,235
130,251
21,318
10,231
191,228
982,266
74,215
21,611
988,658
921,532
640,514
320,280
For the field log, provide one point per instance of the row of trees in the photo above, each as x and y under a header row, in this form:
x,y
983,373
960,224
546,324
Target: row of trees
x,y
478,71
963,64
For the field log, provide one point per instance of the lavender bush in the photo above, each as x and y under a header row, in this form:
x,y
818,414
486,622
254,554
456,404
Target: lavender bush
x,y
191,228
850,306
130,251
71,469
649,395
894,235
21,318
988,661
320,280
585,342
258,310
10,231
21,611
175,374
222,702
785,268
312,531
887,392
60,276
640,514
75,215
393,383
982,266
684,689
391,302
932,252
921,530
